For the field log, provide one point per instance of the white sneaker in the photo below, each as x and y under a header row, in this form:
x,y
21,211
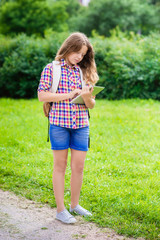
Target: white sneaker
x,y
65,217
80,210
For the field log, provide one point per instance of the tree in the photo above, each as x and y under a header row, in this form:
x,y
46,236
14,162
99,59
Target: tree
x,y
155,2
72,7
32,16
104,15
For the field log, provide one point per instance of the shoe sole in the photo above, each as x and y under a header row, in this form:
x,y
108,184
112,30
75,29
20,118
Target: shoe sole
x,y
66,221
84,215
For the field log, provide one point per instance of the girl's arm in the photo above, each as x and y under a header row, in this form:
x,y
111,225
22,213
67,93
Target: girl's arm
x,y
56,97
86,94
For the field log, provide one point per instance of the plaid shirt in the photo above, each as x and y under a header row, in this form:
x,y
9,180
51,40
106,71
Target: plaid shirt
x,y
64,113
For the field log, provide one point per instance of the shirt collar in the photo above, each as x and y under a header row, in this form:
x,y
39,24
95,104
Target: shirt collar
x,y
64,63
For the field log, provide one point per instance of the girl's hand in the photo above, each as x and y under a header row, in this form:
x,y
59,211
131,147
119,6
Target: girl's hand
x,y
86,92
74,93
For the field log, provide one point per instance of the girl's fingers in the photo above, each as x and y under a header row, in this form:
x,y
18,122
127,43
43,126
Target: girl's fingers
x,y
85,89
91,89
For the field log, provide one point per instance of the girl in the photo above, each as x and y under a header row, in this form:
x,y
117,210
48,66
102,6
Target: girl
x,y
69,124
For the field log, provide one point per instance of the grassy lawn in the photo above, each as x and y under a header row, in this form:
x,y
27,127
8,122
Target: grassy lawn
x,y
122,171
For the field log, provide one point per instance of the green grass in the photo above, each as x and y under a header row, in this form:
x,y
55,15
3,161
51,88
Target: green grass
x,y
122,171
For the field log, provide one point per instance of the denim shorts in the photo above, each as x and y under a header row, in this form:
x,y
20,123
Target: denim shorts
x,y
63,138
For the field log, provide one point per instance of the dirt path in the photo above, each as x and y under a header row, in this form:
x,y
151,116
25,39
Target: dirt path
x,y
22,219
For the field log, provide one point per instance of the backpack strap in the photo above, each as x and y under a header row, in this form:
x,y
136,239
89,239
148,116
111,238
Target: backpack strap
x,y
56,68
56,75
83,84
81,76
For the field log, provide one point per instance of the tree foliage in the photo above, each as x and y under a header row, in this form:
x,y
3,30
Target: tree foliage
x,y
155,2
104,15
32,16
73,6
35,16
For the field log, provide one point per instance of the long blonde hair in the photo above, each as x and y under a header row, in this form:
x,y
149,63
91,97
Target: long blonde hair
x,y
73,44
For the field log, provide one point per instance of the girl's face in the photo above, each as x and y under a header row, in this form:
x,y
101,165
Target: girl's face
x,y
75,57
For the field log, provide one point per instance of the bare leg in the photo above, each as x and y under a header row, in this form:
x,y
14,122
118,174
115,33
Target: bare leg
x,y
77,166
60,163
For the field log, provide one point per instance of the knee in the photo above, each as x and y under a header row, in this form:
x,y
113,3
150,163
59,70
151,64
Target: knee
x,y
60,167
78,169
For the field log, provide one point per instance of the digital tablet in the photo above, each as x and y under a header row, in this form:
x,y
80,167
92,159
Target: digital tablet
x,y
79,99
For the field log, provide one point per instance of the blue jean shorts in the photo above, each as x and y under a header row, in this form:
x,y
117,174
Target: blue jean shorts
x,y
63,138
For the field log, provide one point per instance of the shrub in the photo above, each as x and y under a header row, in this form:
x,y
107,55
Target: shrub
x,y
22,61
20,71
128,65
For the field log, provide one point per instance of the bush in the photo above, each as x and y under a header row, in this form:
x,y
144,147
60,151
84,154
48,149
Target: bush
x,y
128,66
22,61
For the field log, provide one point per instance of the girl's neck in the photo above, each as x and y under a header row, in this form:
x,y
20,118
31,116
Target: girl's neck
x,y
69,64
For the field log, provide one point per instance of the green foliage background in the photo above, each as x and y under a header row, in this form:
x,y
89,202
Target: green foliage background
x,y
35,16
128,64
105,15
127,59
32,16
